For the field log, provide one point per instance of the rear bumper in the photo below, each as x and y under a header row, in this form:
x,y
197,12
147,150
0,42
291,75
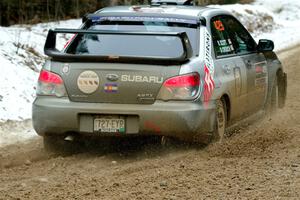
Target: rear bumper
x,y
179,119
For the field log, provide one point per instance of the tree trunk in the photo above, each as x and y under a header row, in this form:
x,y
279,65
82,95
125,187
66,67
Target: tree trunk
x,y
8,13
57,4
48,11
77,9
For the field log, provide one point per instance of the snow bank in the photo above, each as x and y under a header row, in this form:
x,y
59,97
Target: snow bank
x,y
21,57
16,90
18,132
288,10
270,19
287,15
256,19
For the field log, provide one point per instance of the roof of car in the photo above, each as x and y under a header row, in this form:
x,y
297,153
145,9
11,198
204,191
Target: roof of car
x,y
163,10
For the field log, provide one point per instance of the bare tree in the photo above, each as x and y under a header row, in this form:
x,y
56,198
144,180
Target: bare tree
x,y
48,11
113,2
77,9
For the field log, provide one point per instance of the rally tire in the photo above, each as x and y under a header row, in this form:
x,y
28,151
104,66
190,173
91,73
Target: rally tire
x,y
274,100
220,121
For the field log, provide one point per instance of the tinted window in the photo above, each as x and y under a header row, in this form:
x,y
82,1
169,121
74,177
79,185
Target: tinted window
x,y
126,45
241,39
221,38
129,45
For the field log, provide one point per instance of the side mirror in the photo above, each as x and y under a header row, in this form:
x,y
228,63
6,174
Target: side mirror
x,y
265,45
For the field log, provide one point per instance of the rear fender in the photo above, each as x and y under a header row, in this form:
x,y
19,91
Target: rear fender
x,y
274,65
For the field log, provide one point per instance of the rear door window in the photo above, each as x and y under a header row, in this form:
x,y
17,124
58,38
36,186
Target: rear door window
x,y
223,45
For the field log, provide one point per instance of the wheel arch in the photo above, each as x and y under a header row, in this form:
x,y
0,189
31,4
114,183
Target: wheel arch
x,y
275,69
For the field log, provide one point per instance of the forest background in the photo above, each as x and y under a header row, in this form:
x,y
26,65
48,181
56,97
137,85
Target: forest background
x,y
36,11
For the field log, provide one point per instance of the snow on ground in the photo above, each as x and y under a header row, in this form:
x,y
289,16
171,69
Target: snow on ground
x,y
287,15
285,10
271,19
21,54
18,132
17,90
21,57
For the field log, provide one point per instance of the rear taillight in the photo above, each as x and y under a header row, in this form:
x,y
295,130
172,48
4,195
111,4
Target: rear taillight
x,y
50,84
184,87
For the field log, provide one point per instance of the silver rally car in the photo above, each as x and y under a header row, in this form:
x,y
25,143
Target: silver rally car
x,y
164,69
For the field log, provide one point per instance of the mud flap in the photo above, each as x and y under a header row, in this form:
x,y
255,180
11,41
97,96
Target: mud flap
x,y
282,88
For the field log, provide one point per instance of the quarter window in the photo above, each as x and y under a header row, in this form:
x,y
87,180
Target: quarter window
x,y
221,39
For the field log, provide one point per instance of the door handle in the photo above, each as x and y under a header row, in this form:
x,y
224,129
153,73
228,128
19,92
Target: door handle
x,y
248,64
226,69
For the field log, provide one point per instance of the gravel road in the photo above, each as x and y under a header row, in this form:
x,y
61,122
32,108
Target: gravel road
x,y
260,161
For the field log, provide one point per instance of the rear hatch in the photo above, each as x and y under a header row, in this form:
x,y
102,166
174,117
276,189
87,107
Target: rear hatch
x,y
113,60
114,82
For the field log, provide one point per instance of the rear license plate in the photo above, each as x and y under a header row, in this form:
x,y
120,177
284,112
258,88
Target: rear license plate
x,y
106,125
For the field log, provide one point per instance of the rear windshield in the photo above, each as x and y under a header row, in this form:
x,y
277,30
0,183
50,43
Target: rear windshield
x,y
134,45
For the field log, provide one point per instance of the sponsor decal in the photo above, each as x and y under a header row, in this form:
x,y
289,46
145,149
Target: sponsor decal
x,y
143,19
209,70
260,74
148,95
111,87
88,82
231,45
209,85
66,69
142,79
208,59
219,25
225,46
145,97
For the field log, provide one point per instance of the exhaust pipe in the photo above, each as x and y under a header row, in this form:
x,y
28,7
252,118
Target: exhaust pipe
x,y
69,138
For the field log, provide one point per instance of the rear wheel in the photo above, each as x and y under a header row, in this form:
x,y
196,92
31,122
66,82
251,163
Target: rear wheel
x,y
282,87
273,103
274,96
220,121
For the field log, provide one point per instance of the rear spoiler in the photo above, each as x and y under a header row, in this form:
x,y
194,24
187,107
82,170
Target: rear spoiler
x,y
51,51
